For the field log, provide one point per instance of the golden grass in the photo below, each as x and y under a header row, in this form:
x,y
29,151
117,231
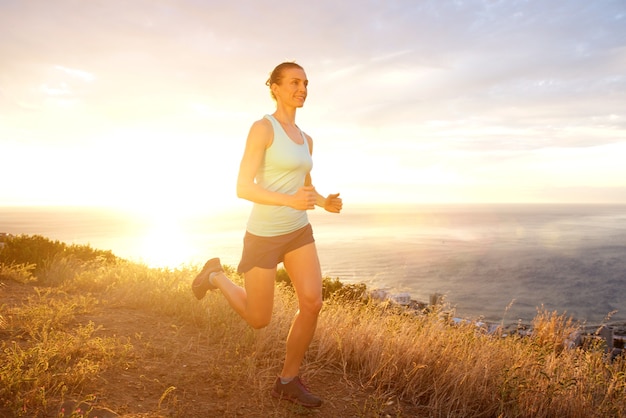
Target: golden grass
x,y
460,371
50,353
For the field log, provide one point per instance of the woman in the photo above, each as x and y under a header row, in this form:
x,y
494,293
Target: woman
x,y
275,175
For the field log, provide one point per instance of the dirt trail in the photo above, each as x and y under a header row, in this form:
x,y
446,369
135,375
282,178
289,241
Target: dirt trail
x,y
172,370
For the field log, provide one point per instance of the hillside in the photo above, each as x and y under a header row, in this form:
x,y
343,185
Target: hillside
x,y
170,368
84,333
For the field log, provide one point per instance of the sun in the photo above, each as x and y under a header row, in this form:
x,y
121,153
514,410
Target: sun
x,y
161,237
166,244
172,236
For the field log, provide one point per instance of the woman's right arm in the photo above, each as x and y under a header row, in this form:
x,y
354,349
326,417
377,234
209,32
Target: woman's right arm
x,y
259,139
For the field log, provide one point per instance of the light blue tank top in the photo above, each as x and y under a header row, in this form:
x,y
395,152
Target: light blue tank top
x,y
283,170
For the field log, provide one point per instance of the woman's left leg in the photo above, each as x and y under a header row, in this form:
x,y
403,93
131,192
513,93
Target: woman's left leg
x,y
303,267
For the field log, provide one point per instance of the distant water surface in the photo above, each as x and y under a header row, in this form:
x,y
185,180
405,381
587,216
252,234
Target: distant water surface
x,y
501,262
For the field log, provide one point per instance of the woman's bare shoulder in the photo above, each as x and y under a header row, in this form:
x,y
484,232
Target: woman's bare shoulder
x,y
262,131
261,125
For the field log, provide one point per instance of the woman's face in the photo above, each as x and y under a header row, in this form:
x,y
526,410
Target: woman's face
x,y
292,89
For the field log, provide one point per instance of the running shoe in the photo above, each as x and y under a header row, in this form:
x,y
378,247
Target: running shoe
x,y
295,391
201,284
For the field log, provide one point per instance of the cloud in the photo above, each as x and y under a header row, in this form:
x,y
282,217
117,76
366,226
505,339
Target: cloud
x,y
83,75
483,81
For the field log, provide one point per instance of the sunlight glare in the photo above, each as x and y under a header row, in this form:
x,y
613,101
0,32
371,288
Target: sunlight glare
x,y
165,242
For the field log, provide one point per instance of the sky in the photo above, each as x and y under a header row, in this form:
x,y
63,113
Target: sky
x,y
147,104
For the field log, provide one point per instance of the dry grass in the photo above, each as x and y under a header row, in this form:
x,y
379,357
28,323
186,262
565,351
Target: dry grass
x,y
460,371
376,361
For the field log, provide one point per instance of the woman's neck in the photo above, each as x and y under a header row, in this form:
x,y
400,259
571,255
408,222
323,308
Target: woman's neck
x,y
285,116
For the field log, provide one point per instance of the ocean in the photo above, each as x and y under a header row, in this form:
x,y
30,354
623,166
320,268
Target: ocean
x,y
491,262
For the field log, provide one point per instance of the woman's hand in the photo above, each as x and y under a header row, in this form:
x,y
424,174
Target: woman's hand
x,y
333,203
304,199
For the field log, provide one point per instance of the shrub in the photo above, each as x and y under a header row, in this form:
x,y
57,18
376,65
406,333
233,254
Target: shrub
x,y
350,292
24,249
40,253
331,288
283,277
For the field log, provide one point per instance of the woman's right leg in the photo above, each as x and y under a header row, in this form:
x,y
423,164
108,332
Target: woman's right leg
x,y
254,303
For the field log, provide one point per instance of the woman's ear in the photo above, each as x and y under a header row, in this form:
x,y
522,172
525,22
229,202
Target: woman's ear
x,y
274,88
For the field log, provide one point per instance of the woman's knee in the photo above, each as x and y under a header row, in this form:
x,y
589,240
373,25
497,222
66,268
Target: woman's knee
x,y
311,306
259,321
260,297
